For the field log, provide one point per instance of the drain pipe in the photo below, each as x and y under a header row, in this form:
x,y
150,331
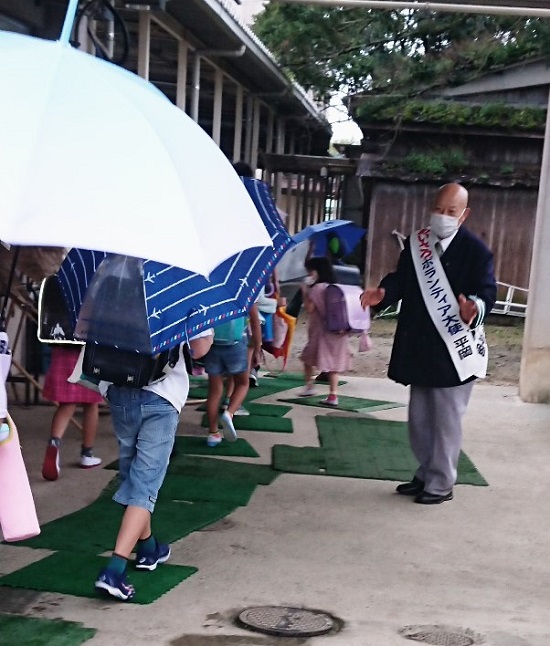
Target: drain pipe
x,y
196,73
527,12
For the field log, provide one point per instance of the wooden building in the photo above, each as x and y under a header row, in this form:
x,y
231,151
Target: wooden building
x,y
487,135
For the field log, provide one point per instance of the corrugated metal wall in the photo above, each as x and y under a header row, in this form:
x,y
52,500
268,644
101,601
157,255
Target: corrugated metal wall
x,y
504,218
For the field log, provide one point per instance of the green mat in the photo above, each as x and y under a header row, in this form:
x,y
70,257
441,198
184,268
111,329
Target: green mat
x,y
94,528
258,423
194,445
203,467
191,465
362,448
287,376
198,392
350,404
70,573
177,487
267,410
297,377
32,631
267,386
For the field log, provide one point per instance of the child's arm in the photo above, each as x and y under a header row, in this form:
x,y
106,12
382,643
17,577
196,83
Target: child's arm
x,y
256,335
200,344
309,305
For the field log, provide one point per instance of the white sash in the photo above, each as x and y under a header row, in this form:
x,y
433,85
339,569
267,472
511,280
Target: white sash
x,y
467,348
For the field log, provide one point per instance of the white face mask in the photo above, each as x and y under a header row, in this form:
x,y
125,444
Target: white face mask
x,y
311,279
443,226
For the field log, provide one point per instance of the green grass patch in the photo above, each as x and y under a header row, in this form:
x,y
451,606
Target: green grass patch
x,y
196,489
362,448
70,573
194,445
258,423
349,404
198,466
94,528
33,631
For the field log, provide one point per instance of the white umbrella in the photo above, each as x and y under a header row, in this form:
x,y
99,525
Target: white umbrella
x,y
93,156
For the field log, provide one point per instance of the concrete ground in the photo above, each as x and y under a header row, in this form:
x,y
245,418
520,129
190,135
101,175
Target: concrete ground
x,y
477,566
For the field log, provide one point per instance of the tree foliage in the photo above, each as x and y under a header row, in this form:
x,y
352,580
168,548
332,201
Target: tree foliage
x,y
381,52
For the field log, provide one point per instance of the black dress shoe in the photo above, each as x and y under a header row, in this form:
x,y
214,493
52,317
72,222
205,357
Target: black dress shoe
x,y
426,498
412,488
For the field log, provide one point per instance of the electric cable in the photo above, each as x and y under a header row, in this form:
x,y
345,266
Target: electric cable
x,y
104,11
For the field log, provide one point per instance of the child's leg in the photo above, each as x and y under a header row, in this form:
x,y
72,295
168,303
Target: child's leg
x,y
229,387
89,430
308,374
215,392
332,399
91,416
309,389
239,393
61,419
145,425
135,525
333,383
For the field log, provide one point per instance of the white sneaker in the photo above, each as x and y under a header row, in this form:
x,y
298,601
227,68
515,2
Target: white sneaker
x,y
308,391
213,439
229,432
253,378
241,411
89,461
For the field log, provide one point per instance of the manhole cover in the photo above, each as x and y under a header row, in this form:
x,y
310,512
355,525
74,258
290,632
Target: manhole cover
x,y
438,636
287,622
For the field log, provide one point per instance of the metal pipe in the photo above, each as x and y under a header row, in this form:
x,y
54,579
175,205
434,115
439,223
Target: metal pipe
x,y
527,12
238,134
181,87
226,53
218,103
68,22
255,139
144,45
195,88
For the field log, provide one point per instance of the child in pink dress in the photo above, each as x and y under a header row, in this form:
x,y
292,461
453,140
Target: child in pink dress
x,y
68,396
324,350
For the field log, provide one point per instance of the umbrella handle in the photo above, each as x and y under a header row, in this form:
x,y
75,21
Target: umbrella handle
x,y
68,22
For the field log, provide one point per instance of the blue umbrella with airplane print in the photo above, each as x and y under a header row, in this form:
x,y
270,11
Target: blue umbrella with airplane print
x,y
147,306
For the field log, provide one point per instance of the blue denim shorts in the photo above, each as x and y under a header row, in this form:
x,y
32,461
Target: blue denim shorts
x,y
227,359
145,426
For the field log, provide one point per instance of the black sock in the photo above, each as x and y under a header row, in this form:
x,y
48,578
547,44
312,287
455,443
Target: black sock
x,y
147,545
117,563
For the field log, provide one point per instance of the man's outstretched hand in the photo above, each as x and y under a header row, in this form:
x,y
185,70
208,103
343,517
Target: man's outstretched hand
x,y
468,309
372,296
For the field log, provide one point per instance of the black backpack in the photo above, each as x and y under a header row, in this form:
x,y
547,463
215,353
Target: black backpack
x,y
126,367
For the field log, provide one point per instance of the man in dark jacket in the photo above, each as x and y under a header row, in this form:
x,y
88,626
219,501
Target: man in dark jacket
x,y
445,281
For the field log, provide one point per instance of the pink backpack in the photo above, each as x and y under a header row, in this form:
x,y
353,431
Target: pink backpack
x,y
344,314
